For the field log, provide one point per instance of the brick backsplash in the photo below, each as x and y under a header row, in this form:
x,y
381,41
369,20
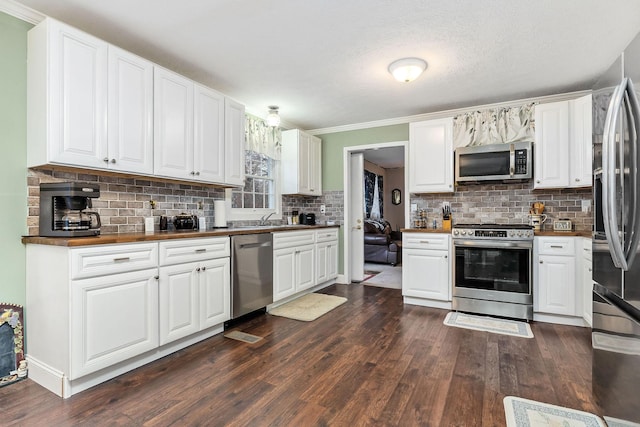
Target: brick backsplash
x,y
507,204
332,200
125,202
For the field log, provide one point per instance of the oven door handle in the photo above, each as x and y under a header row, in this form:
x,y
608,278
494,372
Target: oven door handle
x,y
492,244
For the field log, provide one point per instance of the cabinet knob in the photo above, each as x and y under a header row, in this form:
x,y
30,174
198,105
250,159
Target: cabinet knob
x,y
589,270
106,160
113,160
446,256
204,268
312,189
541,262
198,269
538,181
197,173
577,179
192,173
156,277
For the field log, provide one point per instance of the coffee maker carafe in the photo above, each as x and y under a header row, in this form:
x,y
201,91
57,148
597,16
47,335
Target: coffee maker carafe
x,y
63,209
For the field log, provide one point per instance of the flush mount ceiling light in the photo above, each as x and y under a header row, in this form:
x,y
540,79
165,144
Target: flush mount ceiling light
x,y
407,69
273,119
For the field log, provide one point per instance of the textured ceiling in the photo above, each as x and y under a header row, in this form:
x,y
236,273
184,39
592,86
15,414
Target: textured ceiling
x,y
325,62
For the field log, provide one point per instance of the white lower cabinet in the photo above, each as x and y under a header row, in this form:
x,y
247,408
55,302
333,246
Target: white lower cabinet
x,y
194,286
557,289
113,318
303,260
426,266
587,281
98,311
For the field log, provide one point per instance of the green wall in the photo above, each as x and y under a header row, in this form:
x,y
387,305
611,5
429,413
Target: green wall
x,y
13,169
333,157
333,149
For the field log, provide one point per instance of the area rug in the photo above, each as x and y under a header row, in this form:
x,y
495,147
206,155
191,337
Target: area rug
x,y
488,324
243,336
308,307
388,278
529,413
368,274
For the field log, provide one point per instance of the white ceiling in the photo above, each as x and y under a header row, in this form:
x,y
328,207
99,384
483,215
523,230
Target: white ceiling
x,y
387,158
325,62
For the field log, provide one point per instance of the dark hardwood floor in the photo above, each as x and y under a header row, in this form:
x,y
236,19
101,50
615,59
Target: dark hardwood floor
x,y
371,361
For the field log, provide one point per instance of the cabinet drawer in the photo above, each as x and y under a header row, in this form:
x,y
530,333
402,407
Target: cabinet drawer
x,y
556,246
425,241
587,252
110,259
190,250
293,238
327,235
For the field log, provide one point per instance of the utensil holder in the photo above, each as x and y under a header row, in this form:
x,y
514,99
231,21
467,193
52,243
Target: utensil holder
x,y
446,224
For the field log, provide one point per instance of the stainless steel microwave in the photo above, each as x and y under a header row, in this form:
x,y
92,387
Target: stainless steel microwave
x,y
494,162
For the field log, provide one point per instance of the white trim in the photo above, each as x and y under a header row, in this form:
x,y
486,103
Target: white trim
x,y
446,305
20,11
346,171
447,113
560,319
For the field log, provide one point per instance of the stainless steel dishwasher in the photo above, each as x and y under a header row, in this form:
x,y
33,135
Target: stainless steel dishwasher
x,y
251,273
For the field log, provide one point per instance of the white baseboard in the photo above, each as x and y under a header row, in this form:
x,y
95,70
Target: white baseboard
x,y
560,319
45,375
446,305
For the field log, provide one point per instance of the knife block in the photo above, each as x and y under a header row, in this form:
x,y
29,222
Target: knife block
x,y
446,224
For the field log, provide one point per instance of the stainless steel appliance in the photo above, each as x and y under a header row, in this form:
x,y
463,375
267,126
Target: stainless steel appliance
x,y
492,269
308,219
494,162
185,221
251,273
63,209
616,238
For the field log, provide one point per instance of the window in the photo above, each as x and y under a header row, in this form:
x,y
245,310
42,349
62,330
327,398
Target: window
x,y
260,194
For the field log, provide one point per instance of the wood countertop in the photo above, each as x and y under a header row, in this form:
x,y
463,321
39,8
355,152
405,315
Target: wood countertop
x,y
537,233
109,239
425,230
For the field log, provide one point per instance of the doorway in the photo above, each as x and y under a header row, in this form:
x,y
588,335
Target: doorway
x,y
385,156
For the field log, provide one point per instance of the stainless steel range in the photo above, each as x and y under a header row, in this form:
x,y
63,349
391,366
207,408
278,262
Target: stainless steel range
x,y
492,269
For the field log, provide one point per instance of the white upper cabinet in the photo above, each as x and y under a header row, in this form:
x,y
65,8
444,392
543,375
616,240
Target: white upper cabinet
x,y
431,156
130,113
208,137
93,105
66,97
562,153
580,142
301,163
173,125
234,142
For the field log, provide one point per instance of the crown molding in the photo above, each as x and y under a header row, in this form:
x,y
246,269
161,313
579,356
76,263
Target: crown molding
x,y
447,113
20,11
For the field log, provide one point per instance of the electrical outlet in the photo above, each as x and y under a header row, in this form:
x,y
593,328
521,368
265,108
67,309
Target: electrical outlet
x,y
414,207
586,205
322,208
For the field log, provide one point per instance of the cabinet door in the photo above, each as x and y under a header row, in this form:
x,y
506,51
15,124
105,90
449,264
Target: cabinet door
x,y
208,145
431,156
551,150
586,281
426,274
215,291
130,113
284,278
322,262
556,285
304,171
305,267
113,318
173,125
78,97
332,260
580,143
179,306
315,166
234,142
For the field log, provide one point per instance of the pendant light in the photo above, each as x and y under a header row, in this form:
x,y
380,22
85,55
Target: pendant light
x,y
273,119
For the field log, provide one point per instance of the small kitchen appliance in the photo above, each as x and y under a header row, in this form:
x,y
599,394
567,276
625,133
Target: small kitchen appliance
x,y
308,218
185,221
492,269
63,209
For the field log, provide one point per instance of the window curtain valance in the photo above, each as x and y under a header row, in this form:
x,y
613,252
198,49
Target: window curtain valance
x,y
261,138
494,126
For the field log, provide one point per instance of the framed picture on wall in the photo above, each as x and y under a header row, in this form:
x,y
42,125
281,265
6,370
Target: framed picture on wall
x,y
396,196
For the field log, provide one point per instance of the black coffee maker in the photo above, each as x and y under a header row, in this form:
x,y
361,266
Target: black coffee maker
x,y
63,209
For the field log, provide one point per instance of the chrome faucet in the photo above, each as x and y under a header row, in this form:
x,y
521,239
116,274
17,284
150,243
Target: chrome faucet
x,y
265,217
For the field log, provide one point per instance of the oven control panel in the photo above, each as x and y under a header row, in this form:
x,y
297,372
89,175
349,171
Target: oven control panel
x,y
511,234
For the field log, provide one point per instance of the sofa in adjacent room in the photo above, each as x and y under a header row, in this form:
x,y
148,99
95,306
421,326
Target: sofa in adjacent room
x,y
378,245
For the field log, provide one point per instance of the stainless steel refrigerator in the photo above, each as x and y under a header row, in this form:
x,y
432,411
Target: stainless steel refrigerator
x,y
616,238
